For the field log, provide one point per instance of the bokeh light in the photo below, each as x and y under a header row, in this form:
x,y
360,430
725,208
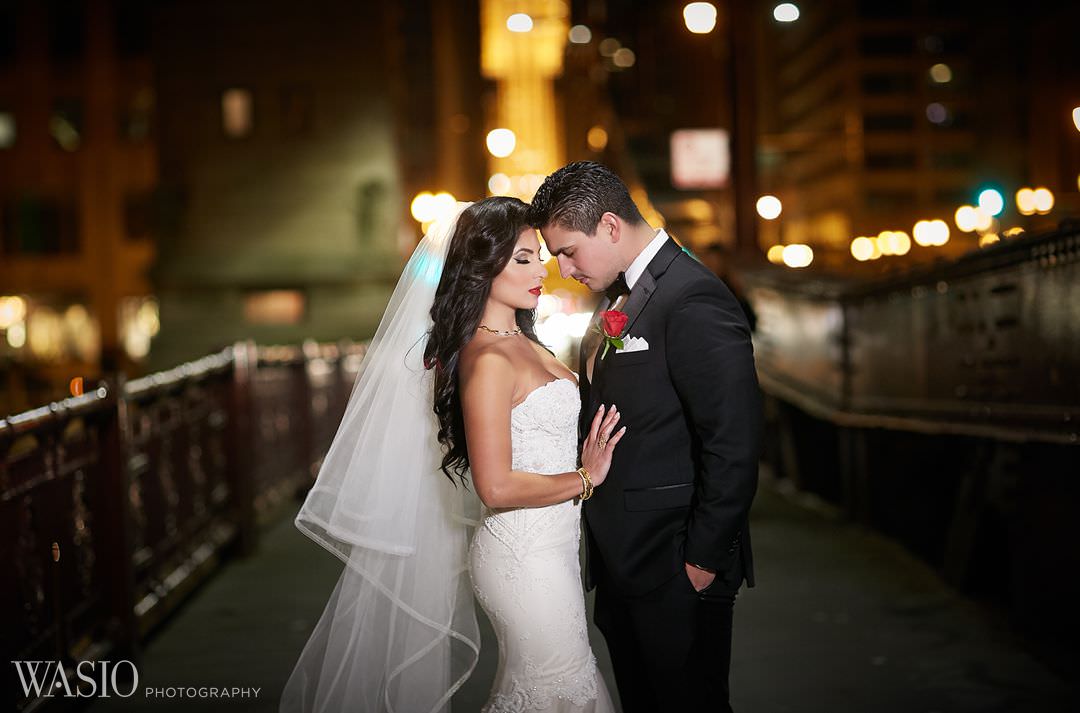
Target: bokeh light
x,y
519,22
798,255
580,35
769,207
700,17
992,201
786,12
501,142
941,73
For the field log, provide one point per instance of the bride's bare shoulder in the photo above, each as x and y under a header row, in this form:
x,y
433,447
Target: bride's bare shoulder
x,y
484,360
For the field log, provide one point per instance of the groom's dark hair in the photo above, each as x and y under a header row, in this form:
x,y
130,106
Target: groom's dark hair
x,y
575,196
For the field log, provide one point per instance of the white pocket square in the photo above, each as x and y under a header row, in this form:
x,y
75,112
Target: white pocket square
x,y
633,344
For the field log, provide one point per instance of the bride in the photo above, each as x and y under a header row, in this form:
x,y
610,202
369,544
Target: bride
x,y
456,384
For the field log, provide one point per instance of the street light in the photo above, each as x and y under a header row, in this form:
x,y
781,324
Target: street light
x,y
786,12
769,207
992,201
700,17
1025,201
798,255
1044,201
501,142
519,22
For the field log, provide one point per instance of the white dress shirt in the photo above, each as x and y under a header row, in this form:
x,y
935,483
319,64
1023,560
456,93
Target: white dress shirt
x,y
637,267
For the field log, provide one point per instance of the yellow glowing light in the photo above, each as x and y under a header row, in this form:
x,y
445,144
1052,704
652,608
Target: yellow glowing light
x,y
12,310
941,73
966,218
776,254
580,35
499,184
798,255
769,207
519,22
501,142
983,220
863,248
148,317
16,335
1044,201
423,207
922,233
988,239
623,58
1076,117
444,205
786,12
597,138
884,242
939,232
1013,232
1025,201
75,386
700,17
901,242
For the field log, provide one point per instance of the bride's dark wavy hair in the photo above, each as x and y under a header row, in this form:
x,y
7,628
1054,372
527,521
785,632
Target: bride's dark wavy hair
x,y
480,248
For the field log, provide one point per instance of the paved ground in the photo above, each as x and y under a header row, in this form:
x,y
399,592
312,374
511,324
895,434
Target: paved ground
x,y
841,620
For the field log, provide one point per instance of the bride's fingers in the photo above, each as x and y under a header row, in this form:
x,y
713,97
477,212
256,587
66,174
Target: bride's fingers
x,y
594,429
609,421
614,440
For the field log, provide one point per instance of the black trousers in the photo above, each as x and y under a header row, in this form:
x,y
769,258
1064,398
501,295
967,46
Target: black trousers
x,y
671,648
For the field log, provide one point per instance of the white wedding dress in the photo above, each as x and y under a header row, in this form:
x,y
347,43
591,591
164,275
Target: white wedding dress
x,y
525,572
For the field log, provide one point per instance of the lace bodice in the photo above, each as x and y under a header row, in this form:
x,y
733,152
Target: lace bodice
x,y
543,429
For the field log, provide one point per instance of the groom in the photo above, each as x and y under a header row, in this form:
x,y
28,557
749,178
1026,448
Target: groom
x,y
668,544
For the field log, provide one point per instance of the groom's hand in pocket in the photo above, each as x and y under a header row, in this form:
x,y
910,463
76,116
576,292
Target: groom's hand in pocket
x,y
699,577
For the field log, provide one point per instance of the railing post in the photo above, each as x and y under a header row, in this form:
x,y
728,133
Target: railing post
x,y
119,564
240,439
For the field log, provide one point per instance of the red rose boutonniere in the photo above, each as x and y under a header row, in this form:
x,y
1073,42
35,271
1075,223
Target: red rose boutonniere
x,y
611,327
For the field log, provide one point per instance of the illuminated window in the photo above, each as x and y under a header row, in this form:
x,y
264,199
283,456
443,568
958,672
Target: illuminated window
x,y
7,129
274,307
66,123
237,112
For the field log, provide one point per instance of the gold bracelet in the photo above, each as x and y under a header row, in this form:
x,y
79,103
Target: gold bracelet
x,y
586,484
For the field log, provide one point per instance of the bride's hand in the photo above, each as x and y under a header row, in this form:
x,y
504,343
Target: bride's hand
x,y
600,444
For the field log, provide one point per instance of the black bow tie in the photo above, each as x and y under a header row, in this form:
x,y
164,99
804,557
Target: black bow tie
x,y
617,289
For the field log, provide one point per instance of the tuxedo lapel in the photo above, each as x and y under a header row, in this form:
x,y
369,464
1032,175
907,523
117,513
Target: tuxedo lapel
x,y
643,289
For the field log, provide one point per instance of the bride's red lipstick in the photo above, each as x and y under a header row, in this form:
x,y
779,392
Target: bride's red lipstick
x,y
536,291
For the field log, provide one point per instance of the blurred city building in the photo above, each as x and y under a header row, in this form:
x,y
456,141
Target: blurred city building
x,y
875,116
78,167
279,171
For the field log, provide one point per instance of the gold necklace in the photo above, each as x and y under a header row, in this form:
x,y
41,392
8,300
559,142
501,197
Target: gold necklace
x,y
498,332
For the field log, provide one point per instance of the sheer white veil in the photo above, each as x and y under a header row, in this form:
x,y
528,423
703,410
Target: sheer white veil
x,y
399,632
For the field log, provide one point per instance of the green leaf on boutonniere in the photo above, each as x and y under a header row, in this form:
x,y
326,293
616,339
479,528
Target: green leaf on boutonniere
x,y
609,342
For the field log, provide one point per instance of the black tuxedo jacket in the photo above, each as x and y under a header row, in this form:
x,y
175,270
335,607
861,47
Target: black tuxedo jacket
x,y
683,477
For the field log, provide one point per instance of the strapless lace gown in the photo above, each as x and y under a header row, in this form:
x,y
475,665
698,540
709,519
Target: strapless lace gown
x,y
525,572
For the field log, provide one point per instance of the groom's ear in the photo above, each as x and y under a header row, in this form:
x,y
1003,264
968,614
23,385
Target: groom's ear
x,y
610,227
